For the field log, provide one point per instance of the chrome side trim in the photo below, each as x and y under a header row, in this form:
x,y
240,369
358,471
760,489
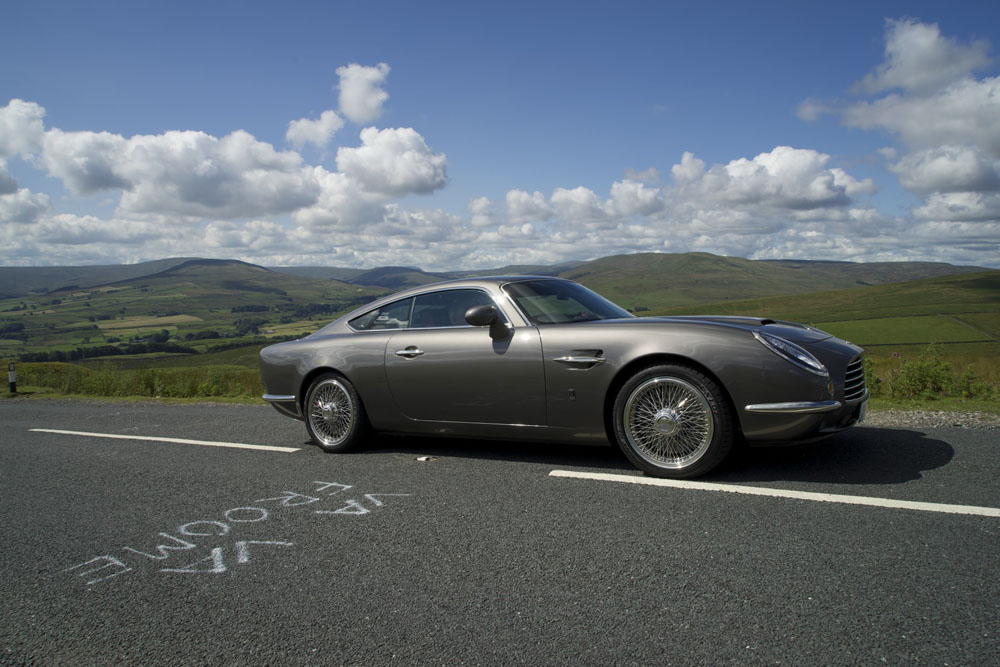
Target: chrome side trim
x,y
580,360
800,407
278,398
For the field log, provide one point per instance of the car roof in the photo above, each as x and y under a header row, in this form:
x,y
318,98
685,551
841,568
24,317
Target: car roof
x,y
472,281
457,283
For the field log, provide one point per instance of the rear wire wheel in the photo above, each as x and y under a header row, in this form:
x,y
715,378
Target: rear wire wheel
x,y
673,421
334,415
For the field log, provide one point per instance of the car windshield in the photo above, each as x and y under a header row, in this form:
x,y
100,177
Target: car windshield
x,y
560,302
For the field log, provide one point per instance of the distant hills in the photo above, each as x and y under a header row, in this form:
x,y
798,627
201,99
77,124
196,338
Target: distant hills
x,y
646,281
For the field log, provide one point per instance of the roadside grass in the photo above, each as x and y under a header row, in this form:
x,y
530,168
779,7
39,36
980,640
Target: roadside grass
x,y
108,381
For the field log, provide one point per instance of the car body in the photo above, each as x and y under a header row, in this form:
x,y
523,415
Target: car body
x,y
541,358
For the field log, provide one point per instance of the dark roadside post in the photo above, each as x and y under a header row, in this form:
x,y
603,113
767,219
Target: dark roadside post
x,y
12,377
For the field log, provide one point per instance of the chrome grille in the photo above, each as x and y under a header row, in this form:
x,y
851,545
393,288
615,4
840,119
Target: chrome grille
x,y
854,380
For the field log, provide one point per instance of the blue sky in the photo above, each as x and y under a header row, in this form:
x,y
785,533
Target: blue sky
x,y
460,135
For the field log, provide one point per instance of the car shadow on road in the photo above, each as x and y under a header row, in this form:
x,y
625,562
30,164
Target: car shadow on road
x,y
596,456
859,456
866,456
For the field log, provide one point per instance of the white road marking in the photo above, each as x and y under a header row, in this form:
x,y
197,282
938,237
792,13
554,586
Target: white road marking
x,y
181,441
783,493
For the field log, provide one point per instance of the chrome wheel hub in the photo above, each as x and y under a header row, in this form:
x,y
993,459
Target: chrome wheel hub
x,y
666,421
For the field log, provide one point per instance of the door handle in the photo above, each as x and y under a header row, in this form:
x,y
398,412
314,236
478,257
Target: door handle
x,y
409,352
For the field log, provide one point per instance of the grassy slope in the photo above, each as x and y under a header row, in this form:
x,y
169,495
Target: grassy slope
x,y
192,297
661,281
959,294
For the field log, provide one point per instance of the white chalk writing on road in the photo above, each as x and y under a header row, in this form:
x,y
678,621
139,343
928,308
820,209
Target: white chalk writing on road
x,y
197,533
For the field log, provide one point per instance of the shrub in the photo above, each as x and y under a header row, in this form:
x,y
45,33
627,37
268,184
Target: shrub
x,y
930,377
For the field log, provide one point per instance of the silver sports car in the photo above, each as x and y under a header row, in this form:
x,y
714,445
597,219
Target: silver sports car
x,y
527,357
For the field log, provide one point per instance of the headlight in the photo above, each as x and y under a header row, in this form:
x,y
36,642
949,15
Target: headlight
x,y
792,353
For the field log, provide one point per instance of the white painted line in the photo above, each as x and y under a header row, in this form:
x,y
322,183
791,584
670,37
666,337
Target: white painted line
x,y
782,493
181,441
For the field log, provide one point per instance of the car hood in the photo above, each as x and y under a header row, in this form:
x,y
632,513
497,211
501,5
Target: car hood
x,y
790,331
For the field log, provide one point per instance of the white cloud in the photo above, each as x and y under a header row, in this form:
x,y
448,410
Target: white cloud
x,y
361,93
22,206
342,203
785,178
317,132
577,205
7,183
960,207
811,109
522,207
21,128
481,213
393,162
965,112
630,198
185,173
918,58
85,161
948,168
649,176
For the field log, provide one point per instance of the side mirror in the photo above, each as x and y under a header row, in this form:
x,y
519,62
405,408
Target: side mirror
x,y
487,316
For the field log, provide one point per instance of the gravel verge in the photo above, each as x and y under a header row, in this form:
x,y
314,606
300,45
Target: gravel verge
x,y
932,419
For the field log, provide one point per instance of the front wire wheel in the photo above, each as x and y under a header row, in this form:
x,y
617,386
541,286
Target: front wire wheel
x,y
335,417
672,421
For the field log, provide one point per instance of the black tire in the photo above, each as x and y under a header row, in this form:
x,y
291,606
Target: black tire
x,y
334,415
673,421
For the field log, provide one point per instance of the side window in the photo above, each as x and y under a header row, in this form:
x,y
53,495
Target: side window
x,y
447,308
395,315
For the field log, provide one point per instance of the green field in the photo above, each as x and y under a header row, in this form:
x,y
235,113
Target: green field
x,y
912,330
196,305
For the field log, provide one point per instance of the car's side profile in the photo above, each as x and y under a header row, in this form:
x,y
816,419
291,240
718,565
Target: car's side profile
x,y
527,357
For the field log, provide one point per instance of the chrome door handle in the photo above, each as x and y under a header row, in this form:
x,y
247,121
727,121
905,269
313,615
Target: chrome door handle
x,y
581,363
409,352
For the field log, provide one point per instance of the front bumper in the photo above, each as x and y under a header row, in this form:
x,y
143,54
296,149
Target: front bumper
x,y
286,405
800,421
800,407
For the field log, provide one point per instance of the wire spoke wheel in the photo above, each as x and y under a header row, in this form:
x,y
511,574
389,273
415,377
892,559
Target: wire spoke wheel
x,y
331,412
668,422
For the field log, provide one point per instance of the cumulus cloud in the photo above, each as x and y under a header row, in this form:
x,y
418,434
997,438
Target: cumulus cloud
x,y
522,207
629,198
21,128
481,213
579,204
948,168
342,203
393,162
361,93
784,178
965,112
7,183
317,132
186,173
948,124
919,58
85,161
21,206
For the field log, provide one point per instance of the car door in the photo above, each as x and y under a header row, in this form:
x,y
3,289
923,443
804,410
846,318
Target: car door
x,y
443,369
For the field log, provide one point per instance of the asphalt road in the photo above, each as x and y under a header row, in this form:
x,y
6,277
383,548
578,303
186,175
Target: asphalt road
x,y
120,551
